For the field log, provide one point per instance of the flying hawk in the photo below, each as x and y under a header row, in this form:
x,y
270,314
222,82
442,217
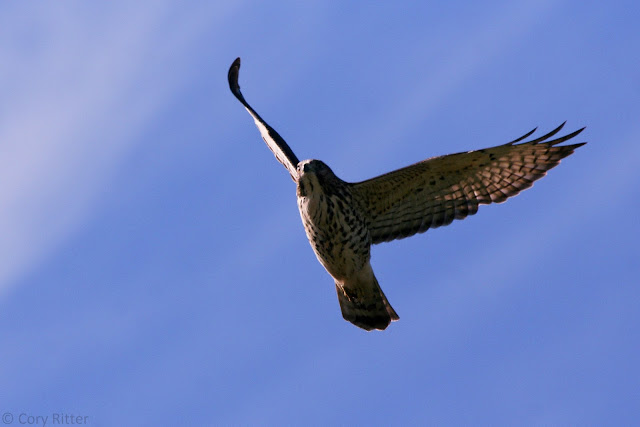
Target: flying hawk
x,y
342,219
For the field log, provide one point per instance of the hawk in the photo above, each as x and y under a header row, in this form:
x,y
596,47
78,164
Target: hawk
x,y
342,219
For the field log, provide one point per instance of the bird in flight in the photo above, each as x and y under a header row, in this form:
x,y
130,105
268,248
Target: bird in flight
x,y
343,219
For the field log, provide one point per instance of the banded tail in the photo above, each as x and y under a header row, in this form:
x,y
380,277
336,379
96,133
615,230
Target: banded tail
x,y
364,304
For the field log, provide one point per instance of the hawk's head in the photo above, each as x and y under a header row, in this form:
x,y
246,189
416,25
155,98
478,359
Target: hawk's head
x,y
315,176
314,167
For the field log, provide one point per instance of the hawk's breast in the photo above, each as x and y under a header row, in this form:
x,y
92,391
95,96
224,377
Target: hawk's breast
x,y
335,229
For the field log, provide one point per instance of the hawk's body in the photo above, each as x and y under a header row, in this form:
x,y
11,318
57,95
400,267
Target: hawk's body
x,y
343,219
339,235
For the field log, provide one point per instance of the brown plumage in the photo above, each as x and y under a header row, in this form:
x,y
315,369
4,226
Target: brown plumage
x,y
343,219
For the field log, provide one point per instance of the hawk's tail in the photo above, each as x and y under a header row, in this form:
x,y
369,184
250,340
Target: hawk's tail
x,y
363,303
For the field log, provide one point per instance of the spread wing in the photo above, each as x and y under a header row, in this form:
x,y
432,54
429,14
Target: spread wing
x,y
276,144
436,191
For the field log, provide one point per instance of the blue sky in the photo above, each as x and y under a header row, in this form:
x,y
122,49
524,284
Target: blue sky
x,y
154,269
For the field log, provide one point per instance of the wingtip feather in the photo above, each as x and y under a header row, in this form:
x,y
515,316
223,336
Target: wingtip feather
x,y
234,72
526,135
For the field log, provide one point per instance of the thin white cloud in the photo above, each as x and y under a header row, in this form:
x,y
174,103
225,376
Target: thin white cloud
x,y
80,85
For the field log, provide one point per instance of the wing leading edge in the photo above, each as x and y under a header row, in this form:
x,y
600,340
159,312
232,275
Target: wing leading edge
x,y
274,141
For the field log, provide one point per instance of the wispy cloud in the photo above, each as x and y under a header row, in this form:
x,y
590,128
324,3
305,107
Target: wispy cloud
x,y
80,85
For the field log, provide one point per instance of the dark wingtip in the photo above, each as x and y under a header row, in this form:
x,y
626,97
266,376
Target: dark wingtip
x,y
234,71
547,136
567,137
526,135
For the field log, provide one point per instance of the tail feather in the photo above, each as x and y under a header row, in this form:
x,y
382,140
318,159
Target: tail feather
x,y
365,305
